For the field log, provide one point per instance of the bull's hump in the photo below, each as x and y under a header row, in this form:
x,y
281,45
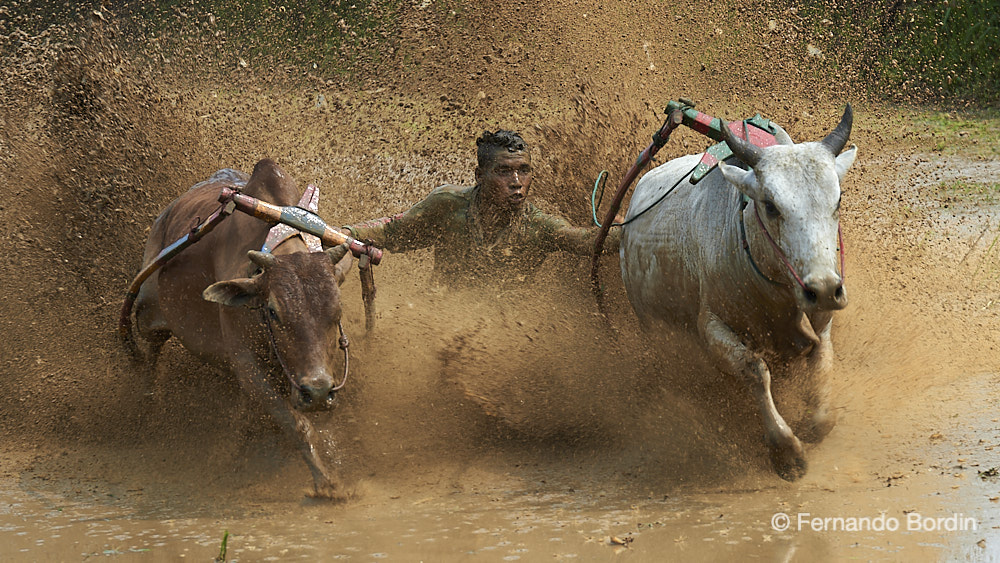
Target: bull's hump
x,y
266,166
270,183
224,176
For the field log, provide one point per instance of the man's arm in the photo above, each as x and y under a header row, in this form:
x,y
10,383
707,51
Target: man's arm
x,y
558,233
418,227
373,231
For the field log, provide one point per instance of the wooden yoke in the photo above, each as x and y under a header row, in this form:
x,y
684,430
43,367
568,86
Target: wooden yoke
x,y
301,219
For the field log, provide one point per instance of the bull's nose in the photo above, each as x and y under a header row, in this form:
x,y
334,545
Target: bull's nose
x,y
824,293
315,391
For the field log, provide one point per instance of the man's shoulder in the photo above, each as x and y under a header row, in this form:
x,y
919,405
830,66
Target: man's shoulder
x,y
447,200
452,191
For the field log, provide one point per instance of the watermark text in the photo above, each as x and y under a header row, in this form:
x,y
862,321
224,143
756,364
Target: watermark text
x,y
910,522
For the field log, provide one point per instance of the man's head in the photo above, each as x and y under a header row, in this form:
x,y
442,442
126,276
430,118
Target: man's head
x,y
503,172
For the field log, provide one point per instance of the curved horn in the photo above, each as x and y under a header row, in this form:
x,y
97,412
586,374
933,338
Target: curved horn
x,y
836,140
747,152
262,259
337,253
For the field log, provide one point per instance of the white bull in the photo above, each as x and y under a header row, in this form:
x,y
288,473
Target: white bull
x,y
751,258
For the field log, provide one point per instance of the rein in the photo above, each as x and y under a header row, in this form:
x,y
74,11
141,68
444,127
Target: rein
x,y
342,341
777,249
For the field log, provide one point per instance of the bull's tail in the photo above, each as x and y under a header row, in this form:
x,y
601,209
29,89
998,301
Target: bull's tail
x,y
194,235
125,335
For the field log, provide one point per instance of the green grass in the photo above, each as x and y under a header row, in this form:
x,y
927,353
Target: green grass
x,y
322,38
967,191
971,133
223,547
912,51
950,47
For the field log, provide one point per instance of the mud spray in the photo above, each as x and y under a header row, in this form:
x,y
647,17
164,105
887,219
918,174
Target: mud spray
x,y
455,389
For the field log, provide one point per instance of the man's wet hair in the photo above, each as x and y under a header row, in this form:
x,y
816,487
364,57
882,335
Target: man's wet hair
x,y
489,143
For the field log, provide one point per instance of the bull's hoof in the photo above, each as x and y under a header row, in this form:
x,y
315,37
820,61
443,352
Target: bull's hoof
x,y
790,471
328,492
789,462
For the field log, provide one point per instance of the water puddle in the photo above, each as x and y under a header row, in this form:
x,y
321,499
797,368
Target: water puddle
x,y
943,505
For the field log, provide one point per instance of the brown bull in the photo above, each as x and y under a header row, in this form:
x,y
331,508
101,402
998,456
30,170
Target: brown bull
x,y
271,320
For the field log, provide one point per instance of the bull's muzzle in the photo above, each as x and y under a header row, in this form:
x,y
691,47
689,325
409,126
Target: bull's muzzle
x,y
314,393
823,293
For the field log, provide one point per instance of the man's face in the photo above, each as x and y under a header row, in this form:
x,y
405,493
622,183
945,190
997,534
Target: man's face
x,y
504,180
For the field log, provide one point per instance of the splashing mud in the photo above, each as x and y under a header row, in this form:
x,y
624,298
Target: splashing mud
x,y
508,423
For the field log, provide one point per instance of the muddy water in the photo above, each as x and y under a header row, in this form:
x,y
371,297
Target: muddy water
x,y
594,459
936,508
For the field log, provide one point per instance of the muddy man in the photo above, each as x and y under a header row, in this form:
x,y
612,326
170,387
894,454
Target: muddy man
x,y
488,231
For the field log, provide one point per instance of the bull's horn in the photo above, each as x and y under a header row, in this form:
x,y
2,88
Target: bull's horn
x,y
749,153
262,259
836,140
337,253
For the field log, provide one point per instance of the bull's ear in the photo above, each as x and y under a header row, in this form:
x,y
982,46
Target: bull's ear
x,y
782,136
342,260
845,160
744,180
233,293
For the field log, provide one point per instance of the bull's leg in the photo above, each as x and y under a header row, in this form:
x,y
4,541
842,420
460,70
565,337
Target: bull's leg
x,y
154,329
820,417
147,375
734,358
294,423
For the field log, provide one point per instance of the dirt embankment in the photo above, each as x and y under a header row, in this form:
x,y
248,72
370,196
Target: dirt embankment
x,y
96,139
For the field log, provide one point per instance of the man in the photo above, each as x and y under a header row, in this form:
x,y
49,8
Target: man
x,y
486,232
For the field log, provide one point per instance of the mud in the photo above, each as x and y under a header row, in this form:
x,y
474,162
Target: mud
x,y
498,424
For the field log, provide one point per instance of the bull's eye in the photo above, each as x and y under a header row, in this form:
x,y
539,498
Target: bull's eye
x,y
771,209
272,313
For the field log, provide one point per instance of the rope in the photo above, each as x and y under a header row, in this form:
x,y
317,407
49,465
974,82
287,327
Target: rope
x,y
744,201
343,342
603,176
601,180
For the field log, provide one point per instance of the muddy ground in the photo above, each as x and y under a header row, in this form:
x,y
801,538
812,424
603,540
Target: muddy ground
x,y
490,425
